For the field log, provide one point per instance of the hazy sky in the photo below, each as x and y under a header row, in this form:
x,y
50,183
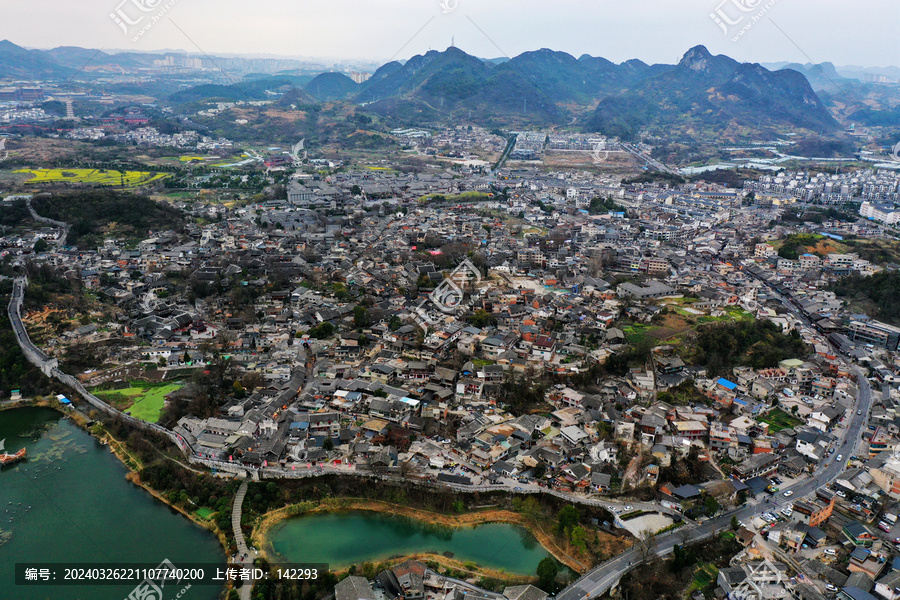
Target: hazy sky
x,y
864,33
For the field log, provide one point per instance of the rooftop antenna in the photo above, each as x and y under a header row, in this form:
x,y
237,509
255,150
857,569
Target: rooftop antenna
x,y
453,41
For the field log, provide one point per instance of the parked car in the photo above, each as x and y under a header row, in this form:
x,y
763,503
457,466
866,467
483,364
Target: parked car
x,y
831,588
840,494
886,527
830,551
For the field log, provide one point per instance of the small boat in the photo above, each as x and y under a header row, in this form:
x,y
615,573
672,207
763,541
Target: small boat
x,y
10,459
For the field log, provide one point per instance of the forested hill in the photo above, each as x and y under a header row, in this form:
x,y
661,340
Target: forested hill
x,y
97,214
879,293
755,344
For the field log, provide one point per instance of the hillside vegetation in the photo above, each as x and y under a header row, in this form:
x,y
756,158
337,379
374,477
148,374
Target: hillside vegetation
x,y
755,344
94,215
881,291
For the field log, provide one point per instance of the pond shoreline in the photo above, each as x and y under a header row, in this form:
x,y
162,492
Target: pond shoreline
x,y
115,447
101,512
262,531
262,528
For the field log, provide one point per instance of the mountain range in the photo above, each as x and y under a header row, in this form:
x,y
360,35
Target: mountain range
x,y
715,95
701,96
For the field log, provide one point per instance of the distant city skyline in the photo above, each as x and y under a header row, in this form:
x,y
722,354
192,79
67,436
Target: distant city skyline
x,y
375,32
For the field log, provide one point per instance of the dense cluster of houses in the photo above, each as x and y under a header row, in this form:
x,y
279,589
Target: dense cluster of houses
x,y
336,298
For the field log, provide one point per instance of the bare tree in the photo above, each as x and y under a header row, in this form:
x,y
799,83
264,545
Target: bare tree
x,y
645,542
683,534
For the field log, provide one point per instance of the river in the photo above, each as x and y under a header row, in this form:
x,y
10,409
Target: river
x,y
70,502
352,537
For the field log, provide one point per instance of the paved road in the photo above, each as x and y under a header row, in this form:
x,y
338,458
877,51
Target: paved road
x,y
600,579
651,162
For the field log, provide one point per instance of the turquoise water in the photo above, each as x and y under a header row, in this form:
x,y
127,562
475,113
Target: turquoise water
x,y
83,510
345,538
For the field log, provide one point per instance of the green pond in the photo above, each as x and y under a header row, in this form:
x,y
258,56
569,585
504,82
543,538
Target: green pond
x,y
345,538
70,503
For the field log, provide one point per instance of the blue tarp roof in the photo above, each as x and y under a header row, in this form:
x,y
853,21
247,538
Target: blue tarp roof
x,y
728,385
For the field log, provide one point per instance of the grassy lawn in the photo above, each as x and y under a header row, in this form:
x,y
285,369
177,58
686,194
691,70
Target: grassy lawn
x,y
732,313
738,314
147,401
205,513
687,313
777,420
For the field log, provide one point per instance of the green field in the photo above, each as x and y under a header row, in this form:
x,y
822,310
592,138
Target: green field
x,y
777,420
205,513
92,176
634,334
705,575
732,313
147,401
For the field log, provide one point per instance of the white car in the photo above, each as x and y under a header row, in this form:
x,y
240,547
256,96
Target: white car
x,y
789,493
839,458
787,512
830,588
830,551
